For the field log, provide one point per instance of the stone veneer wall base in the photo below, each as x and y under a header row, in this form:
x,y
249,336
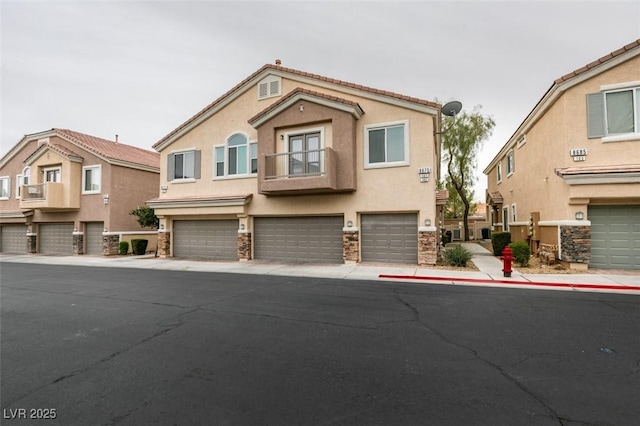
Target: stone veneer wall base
x,y
427,248
164,244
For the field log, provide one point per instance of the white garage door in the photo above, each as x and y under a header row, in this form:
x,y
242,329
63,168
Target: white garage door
x,y
299,239
615,237
206,239
13,238
391,238
93,238
56,238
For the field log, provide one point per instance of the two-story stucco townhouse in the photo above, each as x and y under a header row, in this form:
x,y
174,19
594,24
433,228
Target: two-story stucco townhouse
x,y
64,192
293,166
568,180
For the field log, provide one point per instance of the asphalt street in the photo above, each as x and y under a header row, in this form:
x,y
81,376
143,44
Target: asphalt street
x,y
112,346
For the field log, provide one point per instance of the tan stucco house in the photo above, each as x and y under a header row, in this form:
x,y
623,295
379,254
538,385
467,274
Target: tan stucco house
x,y
293,166
568,180
64,192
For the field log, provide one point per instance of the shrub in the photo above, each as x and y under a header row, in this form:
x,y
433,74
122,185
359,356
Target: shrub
x,y
521,253
139,246
123,248
457,256
499,240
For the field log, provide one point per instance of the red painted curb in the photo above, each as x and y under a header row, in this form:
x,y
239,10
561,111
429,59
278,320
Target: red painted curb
x,y
530,283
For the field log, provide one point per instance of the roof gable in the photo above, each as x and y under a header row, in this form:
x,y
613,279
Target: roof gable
x,y
58,149
295,75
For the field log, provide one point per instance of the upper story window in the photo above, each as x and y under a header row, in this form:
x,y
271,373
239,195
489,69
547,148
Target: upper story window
x,y
387,145
52,174
183,165
237,157
499,172
304,154
269,87
5,187
22,179
511,165
614,112
91,179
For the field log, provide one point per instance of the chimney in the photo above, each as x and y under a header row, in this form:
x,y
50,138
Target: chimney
x,y
278,62
116,138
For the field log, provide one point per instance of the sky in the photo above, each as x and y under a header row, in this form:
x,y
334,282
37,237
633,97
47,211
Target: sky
x,y
139,69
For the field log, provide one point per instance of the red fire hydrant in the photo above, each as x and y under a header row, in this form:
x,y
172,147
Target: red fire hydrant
x,y
507,258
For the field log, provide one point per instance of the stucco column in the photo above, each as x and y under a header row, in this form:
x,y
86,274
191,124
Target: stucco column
x,y
427,245
350,244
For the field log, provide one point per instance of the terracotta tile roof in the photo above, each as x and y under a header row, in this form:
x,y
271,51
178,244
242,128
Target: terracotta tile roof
x,y
591,170
299,90
301,74
112,150
495,198
442,196
599,61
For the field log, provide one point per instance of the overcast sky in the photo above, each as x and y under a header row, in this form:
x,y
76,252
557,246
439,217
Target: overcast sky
x,y
140,69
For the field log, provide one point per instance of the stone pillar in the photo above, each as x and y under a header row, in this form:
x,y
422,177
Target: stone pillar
x,y
110,244
78,243
427,245
351,245
575,246
32,242
244,245
164,243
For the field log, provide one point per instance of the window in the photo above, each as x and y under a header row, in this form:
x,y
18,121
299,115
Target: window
x,y
53,174
22,179
505,219
511,165
513,213
386,145
613,112
183,166
91,179
269,87
499,172
5,187
237,157
304,154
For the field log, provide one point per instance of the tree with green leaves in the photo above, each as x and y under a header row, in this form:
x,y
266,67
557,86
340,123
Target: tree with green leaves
x,y
454,209
462,139
146,217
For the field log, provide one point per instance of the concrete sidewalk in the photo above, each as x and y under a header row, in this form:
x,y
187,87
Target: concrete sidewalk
x,y
490,270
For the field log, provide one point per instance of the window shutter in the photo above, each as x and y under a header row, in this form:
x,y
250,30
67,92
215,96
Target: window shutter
x,y
196,164
171,161
274,87
595,115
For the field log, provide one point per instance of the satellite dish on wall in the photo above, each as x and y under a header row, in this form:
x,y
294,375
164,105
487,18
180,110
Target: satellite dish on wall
x,y
452,108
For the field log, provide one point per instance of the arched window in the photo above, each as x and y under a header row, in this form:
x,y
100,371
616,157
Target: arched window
x,y
237,157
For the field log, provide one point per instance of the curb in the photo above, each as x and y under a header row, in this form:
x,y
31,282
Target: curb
x,y
522,283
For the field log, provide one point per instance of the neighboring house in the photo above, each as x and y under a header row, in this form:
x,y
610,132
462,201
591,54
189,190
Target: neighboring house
x,y
293,166
568,180
65,192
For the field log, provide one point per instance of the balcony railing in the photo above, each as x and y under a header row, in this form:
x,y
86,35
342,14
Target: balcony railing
x,y
295,164
34,192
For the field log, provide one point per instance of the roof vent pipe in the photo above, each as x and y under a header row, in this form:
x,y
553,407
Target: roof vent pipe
x,y
278,62
116,138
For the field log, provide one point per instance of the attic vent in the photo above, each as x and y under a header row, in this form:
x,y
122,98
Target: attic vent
x,y
269,87
43,141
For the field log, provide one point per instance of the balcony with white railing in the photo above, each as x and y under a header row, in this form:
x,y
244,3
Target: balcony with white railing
x,y
300,172
47,196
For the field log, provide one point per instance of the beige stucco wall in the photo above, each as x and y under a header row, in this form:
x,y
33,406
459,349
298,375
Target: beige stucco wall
x,y
378,190
535,186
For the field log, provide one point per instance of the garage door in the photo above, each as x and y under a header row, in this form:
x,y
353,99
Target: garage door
x,y
299,239
93,238
56,238
390,238
13,239
206,239
615,237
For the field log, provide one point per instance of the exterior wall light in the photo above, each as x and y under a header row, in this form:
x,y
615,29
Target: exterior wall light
x,y
164,188
301,108
427,222
162,226
349,223
579,215
242,226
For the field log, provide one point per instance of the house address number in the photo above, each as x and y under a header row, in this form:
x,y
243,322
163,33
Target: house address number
x,y
579,154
